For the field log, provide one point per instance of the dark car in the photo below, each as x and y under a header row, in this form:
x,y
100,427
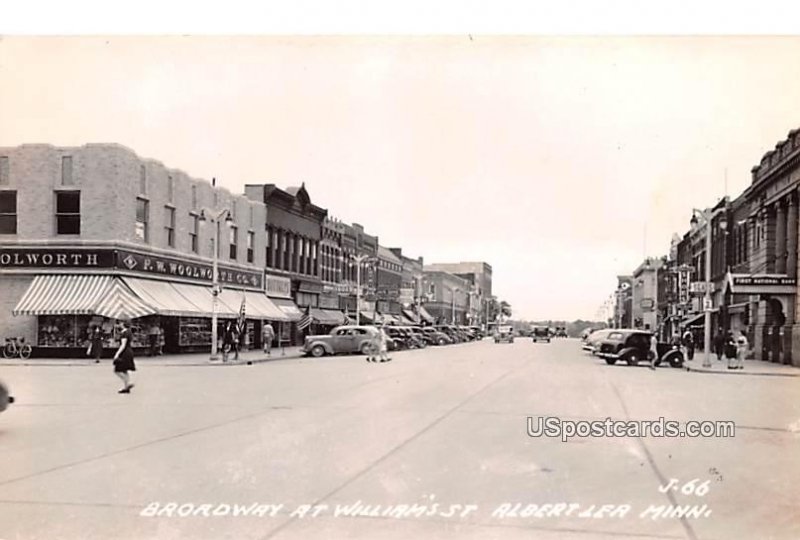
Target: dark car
x,y
540,333
449,332
435,337
418,338
398,338
633,346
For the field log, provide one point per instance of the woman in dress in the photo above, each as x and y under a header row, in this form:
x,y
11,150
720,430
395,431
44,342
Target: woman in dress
x,y
123,359
97,343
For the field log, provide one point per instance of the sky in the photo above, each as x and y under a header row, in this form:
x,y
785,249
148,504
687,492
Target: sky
x,y
560,161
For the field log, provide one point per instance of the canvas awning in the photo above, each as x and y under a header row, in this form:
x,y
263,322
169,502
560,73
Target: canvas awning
x,y
164,298
107,296
410,316
425,315
388,318
62,295
256,305
693,320
289,308
368,317
119,302
327,317
201,297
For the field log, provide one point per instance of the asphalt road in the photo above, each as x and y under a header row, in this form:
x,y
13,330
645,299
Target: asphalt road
x,y
334,447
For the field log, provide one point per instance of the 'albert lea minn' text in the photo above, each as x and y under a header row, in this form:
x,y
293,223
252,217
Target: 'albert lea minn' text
x,y
565,429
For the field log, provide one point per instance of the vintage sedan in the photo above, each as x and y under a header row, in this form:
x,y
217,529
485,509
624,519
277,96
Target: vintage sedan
x,y
541,333
633,346
342,339
592,342
435,337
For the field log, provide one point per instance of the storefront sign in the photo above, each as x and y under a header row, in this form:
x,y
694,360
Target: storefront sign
x,y
329,302
167,266
309,286
56,258
278,286
763,280
406,295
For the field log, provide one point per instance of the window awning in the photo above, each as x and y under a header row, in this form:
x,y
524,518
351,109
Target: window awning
x,y
256,305
328,317
289,308
368,317
387,318
63,295
410,316
693,320
162,296
119,302
202,298
425,315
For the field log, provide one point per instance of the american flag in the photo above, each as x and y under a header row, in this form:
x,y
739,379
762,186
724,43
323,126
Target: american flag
x,y
242,315
305,320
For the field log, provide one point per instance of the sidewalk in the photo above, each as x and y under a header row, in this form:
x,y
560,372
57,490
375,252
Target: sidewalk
x,y
194,359
751,367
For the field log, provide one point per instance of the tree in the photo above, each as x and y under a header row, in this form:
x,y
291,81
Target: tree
x,y
505,308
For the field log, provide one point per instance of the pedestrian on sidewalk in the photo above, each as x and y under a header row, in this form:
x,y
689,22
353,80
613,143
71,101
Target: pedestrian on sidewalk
x,y
719,344
383,341
374,343
96,346
688,343
123,359
268,334
741,350
730,350
653,351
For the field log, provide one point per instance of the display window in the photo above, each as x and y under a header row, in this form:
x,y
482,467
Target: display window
x,y
194,331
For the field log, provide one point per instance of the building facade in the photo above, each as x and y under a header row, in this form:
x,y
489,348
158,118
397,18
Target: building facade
x,y
446,296
106,234
479,276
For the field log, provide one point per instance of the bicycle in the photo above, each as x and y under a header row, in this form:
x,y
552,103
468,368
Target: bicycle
x,y
16,347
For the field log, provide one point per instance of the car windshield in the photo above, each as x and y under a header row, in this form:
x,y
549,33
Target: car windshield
x,y
615,336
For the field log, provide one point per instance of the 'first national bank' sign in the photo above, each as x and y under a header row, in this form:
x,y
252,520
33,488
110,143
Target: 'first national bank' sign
x,y
128,261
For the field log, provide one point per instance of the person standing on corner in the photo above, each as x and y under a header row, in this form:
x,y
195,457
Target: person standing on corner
x,y
653,351
719,344
123,359
97,343
730,350
153,333
268,334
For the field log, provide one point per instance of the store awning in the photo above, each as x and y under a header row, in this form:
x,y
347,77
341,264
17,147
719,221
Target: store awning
x,y
256,305
119,302
694,320
289,308
201,297
410,316
388,318
425,315
164,298
328,317
368,317
63,295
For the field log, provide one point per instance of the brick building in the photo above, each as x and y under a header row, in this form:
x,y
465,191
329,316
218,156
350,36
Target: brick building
x,y
93,233
446,296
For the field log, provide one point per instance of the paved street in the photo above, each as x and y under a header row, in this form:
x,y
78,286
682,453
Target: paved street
x,y
441,425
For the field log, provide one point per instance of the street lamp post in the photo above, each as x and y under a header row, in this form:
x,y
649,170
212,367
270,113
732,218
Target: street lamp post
x,y
214,216
358,259
453,312
708,216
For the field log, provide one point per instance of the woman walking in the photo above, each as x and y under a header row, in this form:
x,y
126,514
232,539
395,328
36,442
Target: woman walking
x,y
741,350
384,345
123,359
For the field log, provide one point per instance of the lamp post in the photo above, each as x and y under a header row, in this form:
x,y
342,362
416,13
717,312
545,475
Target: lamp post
x,y
358,259
453,312
214,216
707,215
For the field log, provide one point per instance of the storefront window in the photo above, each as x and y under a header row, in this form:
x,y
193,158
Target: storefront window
x,y
194,331
142,217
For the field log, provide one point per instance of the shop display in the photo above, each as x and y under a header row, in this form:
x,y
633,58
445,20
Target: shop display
x,y
194,331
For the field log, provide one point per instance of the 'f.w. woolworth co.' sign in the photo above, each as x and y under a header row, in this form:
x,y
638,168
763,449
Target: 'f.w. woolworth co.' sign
x,y
62,259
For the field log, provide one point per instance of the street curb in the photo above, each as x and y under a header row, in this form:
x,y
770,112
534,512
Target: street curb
x,y
155,363
740,372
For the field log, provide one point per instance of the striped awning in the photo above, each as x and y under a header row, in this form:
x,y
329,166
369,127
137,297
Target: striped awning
x,y
119,302
162,296
256,305
288,307
425,315
63,295
328,317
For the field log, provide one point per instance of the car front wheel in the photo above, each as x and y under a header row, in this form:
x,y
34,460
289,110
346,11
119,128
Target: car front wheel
x,y
317,351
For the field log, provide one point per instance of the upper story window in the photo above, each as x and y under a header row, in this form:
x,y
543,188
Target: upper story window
x,y
142,180
194,197
194,232
142,219
4,180
252,218
234,236
68,212
8,212
66,171
250,242
169,225
170,188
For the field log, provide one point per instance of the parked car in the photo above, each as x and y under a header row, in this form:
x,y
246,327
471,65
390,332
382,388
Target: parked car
x,y
540,333
436,337
593,341
5,397
342,339
504,333
633,346
420,340
450,332
479,333
561,332
398,339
